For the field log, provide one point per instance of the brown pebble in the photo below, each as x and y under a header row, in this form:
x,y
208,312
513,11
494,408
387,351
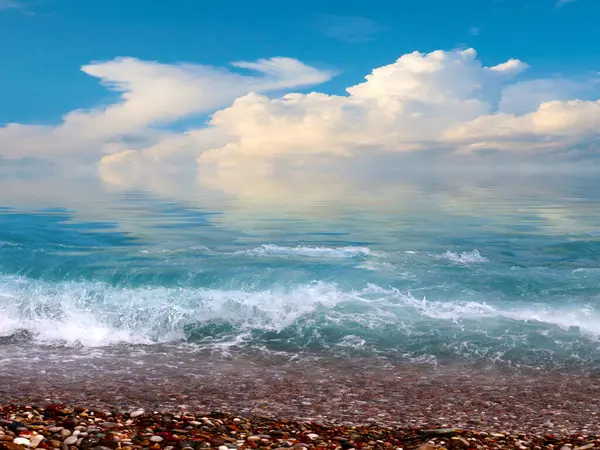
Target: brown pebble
x,y
10,446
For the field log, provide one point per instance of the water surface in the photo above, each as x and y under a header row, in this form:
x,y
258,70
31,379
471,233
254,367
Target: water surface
x,y
495,269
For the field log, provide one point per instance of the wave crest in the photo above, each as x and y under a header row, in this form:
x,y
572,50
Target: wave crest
x,y
308,251
467,258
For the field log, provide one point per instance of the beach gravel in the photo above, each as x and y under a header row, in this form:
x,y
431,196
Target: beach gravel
x,y
27,426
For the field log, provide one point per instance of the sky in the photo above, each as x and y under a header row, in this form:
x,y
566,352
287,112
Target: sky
x,y
128,88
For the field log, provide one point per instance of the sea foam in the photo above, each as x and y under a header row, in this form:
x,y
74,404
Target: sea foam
x,y
96,314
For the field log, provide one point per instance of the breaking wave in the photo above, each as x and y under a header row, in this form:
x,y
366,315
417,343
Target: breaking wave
x,y
317,315
473,257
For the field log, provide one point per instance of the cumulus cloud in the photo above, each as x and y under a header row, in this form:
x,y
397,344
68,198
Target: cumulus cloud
x,y
440,103
440,100
151,95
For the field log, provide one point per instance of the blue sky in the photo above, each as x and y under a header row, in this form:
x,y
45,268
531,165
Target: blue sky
x,y
45,42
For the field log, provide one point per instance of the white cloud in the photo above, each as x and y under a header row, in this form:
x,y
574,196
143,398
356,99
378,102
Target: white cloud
x,y
152,94
420,102
441,102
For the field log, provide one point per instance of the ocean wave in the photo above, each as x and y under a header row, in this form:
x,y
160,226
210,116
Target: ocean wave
x,y
467,258
376,266
96,314
585,271
308,251
193,248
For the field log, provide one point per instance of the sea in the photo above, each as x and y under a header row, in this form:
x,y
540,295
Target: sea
x,y
434,269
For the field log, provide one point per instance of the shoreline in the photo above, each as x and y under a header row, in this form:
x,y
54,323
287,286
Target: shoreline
x,y
343,391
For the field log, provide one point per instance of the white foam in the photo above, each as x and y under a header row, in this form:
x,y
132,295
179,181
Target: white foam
x,y
583,317
584,271
473,257
376,266
308,251
193,248
98,314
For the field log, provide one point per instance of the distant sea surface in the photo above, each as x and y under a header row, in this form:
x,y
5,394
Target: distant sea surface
x,y
500,271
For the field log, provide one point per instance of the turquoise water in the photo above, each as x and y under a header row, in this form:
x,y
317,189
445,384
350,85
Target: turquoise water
x,y
492,270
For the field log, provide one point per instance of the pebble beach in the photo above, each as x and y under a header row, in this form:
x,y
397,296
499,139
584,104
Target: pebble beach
x,y
71,428
238,403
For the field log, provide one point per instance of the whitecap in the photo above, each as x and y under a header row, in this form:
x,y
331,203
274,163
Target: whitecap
x,y
473,257
308,251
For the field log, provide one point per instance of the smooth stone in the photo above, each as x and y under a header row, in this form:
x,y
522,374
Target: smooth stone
x,y
136,413
22,441
253,439
313,436
71,440
442,431
10,446
35,441
64,433
157,439
14,426
223,447
428,446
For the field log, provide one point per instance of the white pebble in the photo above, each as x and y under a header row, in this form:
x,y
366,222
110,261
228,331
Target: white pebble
x,y
71,440
22,441
223,447
137,413
35,441
313,435
156,439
